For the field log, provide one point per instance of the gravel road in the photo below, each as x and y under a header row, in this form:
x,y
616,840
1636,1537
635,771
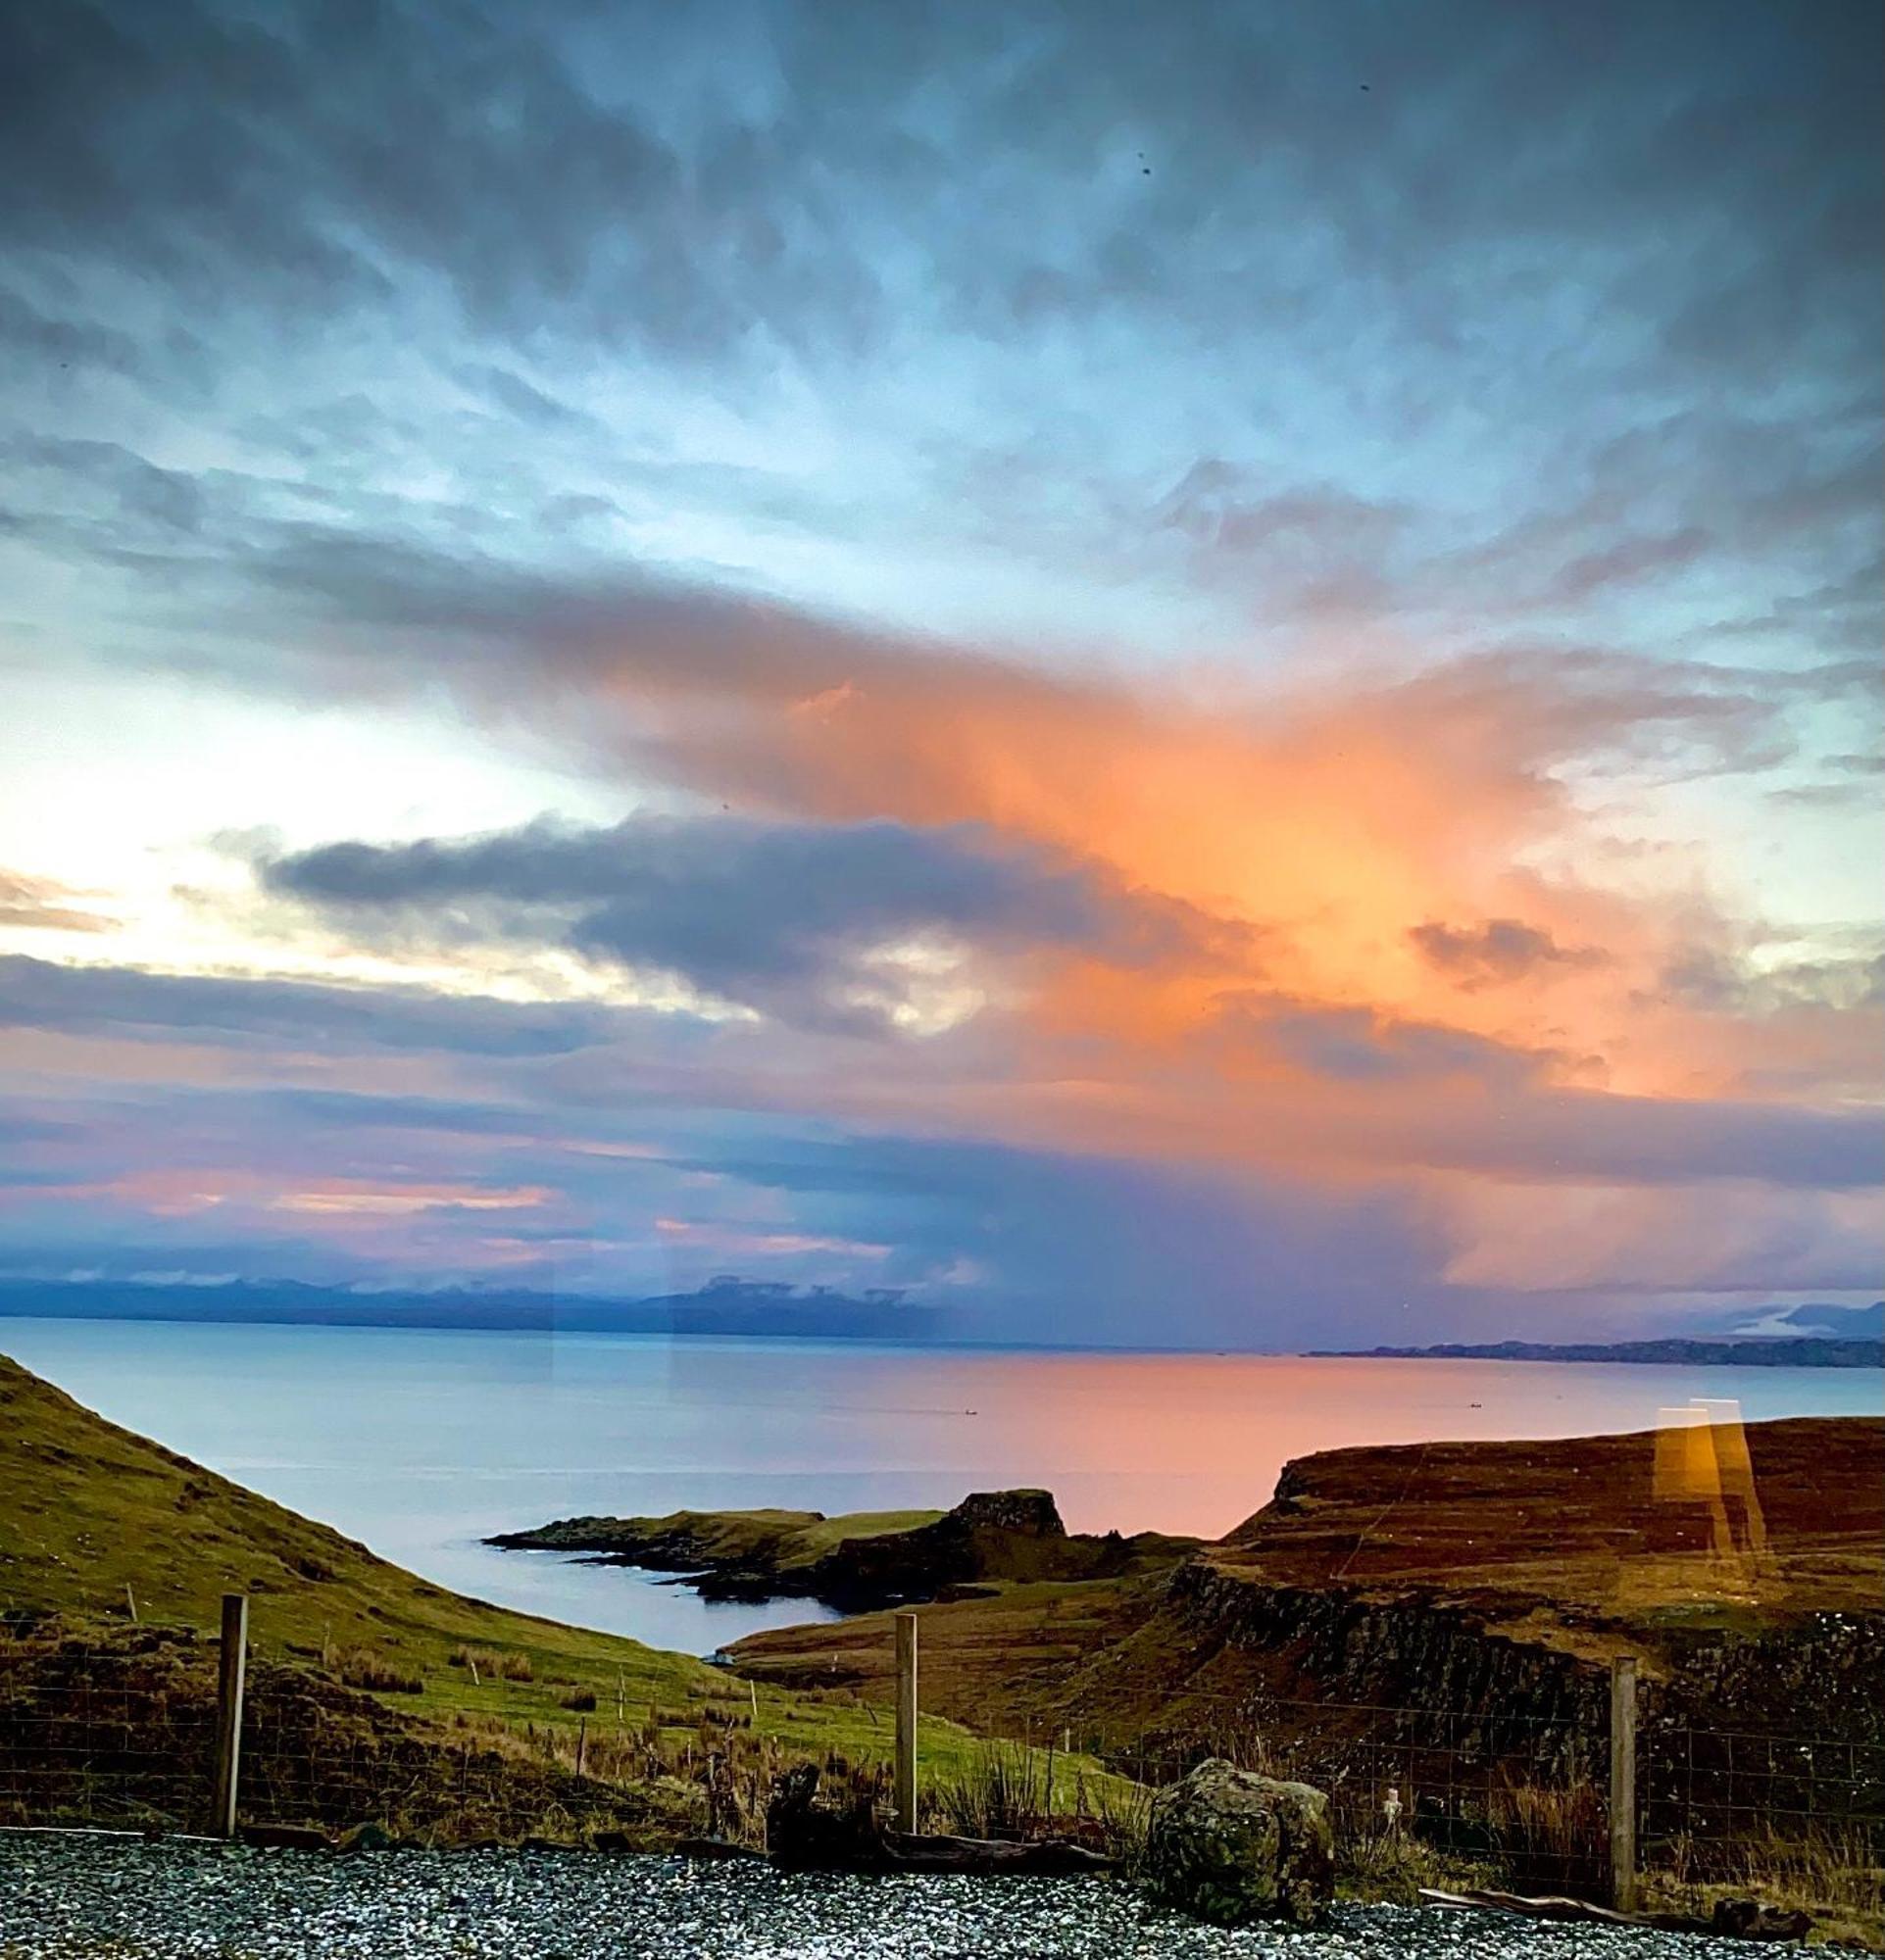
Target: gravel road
x,y
63,1895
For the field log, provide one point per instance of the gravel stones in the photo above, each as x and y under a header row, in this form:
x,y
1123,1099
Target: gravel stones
x,y
1230,1846
64,1896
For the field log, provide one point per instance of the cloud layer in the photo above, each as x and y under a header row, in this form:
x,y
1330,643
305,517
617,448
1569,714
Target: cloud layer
x,y
1151,683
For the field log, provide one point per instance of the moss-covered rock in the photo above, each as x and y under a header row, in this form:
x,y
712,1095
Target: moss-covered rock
x,y
1232,1847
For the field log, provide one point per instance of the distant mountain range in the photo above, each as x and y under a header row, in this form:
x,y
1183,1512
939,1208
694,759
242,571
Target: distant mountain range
x,y
726,1306
1842,1337
1848,1323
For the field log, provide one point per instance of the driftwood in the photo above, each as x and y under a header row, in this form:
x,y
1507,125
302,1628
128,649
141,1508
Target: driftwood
x,y
1741,1919
1045,1857
804,1835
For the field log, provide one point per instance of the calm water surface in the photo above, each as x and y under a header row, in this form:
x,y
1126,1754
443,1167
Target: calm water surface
x,y
420,1442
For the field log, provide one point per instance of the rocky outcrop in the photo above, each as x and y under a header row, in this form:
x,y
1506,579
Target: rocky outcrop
x,y
991,1537
1234,1848
1413,1653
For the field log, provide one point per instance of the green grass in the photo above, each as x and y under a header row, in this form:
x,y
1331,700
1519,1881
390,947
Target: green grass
x,y
770,1541
813,1541
94,1518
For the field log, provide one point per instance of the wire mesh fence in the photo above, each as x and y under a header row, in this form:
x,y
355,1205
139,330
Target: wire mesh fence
x,y
124,1733
1526,1794
1534,1798
1712,1803
124,1737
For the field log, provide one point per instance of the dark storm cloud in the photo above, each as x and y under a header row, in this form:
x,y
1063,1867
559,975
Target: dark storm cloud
x,y
783,917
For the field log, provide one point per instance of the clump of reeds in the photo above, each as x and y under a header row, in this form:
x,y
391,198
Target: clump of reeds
x,y
379,1673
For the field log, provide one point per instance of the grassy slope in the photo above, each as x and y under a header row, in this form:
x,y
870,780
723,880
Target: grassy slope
x,y
87,1508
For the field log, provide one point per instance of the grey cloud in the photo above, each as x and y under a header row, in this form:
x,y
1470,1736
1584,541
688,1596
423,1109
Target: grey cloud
x,y
798,187
140,1005
1221,506
777,916
1494,952
1839,795
525,402
300,157
26,330
1364,1045
473,145
168,499
1629,560
1717,978
530,639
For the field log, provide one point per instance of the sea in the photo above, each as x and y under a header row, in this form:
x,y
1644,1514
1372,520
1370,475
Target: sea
x,y
421,1443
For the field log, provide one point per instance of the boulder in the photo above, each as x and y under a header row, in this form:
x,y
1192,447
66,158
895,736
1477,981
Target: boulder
x,y
1230,1846
803,1834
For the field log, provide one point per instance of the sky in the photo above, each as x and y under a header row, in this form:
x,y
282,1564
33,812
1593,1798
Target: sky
x,y
1189,676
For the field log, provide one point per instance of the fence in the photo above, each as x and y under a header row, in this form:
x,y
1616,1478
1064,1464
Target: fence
x,y
167,1728
174,1729
1585,1800
1562,1802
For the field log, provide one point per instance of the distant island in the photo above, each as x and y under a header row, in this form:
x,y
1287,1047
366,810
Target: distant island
x,y
1797,1350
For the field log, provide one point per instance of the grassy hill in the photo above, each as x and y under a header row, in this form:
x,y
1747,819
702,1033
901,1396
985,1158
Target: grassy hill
x,y
100,1525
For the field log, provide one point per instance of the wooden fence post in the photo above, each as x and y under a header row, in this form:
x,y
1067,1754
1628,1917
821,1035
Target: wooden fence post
x,y
233,1668
1623,1782
906,1772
